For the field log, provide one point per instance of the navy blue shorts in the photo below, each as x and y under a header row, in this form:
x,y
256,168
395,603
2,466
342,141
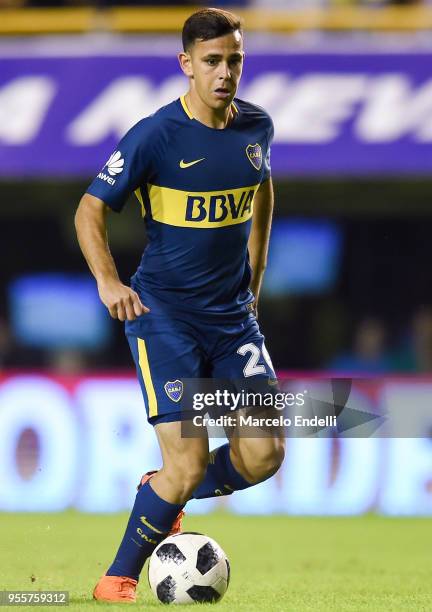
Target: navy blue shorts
x,y
173,347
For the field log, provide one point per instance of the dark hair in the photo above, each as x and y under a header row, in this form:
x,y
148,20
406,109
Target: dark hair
x,y
209,23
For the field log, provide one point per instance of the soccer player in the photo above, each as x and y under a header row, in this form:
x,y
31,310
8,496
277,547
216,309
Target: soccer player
x,y
200,168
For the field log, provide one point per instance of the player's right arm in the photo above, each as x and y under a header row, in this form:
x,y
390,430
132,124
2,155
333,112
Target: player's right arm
x,y
90,223
127,168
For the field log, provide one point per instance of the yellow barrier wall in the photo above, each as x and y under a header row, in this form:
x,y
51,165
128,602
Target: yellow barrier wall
x,y
158,19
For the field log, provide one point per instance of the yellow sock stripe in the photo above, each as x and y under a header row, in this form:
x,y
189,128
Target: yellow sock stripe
x,y
140,200
145,522
148,383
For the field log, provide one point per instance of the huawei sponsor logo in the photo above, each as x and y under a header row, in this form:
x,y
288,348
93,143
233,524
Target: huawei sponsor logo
x,y
114,166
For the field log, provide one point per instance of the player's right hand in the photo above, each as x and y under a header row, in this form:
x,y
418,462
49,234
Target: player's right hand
x,y
123,303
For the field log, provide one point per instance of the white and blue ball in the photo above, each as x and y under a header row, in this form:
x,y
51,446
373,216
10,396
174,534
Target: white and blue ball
x,y
188,567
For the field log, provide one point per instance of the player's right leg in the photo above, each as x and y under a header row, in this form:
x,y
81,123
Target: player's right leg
x,y
184,463
165,351
157,504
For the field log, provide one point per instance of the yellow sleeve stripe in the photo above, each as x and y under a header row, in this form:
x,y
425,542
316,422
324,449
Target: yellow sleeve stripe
x,y
148,383
140,200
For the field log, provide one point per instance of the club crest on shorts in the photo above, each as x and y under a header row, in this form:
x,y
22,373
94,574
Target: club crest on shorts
x,y
254,153
174,390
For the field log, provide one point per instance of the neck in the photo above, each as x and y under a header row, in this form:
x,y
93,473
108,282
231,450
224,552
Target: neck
x,y
214,118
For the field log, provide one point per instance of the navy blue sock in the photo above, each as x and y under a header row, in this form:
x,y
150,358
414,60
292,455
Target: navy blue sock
x,y
150,521
221,476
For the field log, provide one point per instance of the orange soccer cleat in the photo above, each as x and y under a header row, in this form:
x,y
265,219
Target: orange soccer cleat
x,y
177,525
116,588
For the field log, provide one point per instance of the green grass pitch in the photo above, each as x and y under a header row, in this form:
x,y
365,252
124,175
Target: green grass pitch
x,y
278,563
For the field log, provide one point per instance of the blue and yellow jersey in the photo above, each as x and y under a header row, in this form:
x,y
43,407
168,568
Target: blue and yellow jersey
x,y
196,187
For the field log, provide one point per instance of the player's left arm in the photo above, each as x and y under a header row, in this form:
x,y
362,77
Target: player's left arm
x,y
260,235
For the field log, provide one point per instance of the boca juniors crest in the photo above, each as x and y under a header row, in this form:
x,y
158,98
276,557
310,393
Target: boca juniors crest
x,y
174,390
254,153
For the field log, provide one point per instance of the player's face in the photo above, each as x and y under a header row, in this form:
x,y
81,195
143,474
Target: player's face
x,y
215,66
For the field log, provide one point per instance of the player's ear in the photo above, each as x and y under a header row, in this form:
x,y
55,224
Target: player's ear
x,y
184,59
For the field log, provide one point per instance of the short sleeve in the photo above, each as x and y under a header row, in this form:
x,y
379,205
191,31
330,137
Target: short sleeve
x,y
267,165
128,166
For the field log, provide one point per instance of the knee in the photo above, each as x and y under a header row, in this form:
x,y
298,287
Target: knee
x,y
186,475
266,463
193,475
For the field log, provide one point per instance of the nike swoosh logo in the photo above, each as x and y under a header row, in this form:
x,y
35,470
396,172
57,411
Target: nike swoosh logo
x,y
184,164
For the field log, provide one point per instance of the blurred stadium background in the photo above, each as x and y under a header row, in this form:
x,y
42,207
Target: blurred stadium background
x,y
348,289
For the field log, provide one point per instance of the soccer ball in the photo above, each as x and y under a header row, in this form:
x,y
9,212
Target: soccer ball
x,y
188,567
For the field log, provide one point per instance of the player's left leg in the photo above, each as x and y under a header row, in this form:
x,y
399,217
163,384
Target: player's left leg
x,y
240,464
245,461
257,459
